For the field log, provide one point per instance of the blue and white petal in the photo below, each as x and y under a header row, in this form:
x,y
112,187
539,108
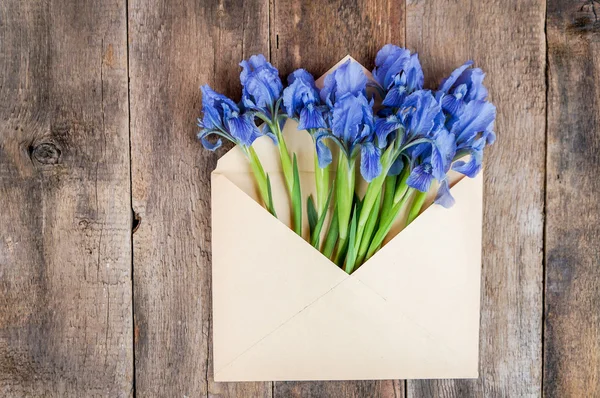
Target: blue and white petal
x,y
421,177
444,197
370,161
323,152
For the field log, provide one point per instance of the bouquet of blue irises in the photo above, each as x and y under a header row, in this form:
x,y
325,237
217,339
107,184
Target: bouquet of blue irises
x,y
402,137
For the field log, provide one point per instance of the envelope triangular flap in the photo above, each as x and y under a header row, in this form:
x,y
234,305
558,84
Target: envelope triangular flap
x,y
431,270
350,333
263,274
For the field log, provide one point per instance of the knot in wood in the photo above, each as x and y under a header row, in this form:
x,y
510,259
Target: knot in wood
x,y
46,153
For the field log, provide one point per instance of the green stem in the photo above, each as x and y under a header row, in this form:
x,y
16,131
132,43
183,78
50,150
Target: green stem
x,y
368,234
388,195
286,160
261,179
322,183
416,206
296,200
290,175
402,187
332,235
345,180
386,225
371,197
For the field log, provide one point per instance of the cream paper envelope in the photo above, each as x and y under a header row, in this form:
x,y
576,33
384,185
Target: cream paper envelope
x,y
282,311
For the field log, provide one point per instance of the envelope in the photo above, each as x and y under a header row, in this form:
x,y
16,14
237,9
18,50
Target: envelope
x,y
283,311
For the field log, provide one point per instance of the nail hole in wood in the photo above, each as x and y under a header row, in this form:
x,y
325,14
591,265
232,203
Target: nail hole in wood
x,y
137,220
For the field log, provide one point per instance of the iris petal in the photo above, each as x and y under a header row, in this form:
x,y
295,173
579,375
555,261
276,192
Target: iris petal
x,y
370,164
449,81
347,118
414,74
390,60
323,151
473,81
243,129
478,116
311,118
395,97
261,84
203,136
442,153
384,127
444,197
348,79
420,177
470,168
452,105
397,167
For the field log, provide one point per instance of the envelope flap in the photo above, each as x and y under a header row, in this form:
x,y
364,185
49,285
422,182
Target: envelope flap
x,y
297,141
431,270
249,302
347,334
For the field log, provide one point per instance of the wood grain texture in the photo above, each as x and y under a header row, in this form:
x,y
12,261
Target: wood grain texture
x,y
175,46
335,389
315,36
507,40
572,322
65,212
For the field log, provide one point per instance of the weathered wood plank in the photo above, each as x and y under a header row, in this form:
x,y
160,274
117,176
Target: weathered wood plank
x,y
175,46
507,40
572,321
315,36
335,389
65,212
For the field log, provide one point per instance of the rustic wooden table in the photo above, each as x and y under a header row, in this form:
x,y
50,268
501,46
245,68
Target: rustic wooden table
x,y
105,196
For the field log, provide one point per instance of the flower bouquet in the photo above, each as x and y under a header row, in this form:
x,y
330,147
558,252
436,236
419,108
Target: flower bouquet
x,y
311,277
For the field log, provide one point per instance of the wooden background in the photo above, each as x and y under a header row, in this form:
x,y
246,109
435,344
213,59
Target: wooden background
x,y
104,190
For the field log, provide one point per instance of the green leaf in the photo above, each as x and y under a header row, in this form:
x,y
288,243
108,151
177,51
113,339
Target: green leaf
x,y
297,200
332,235
270,205
316,234
311,212
401,186
388,195
368,234
351,254
345,180
416,206
357,203
386,224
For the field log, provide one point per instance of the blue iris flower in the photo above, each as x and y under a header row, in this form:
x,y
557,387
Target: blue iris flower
x,y
432,162
464,85
348,79
417,129
474,129
350,119
302,102
352,124
419,117
261,85
223,118
398,72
